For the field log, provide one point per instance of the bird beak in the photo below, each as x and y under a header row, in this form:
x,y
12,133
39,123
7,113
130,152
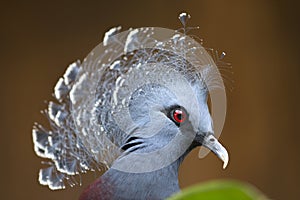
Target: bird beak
x,y
216,147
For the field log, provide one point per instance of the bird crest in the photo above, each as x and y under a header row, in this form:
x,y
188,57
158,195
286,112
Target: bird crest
x,y
91,119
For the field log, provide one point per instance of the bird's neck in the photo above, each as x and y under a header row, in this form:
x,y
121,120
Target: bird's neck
x,y
116,184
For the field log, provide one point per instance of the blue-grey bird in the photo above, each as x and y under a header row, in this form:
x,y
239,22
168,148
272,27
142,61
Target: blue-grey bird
x,y
136,106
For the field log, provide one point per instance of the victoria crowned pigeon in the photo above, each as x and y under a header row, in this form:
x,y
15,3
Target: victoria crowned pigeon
x,y
135,106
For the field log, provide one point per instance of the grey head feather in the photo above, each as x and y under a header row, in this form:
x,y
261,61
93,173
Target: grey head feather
x,y
115,104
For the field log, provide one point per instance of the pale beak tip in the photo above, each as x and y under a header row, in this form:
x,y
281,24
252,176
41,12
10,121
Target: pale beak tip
x,y
225,159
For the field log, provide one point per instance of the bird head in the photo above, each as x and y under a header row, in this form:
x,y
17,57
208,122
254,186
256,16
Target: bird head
x,y
137,103
158,103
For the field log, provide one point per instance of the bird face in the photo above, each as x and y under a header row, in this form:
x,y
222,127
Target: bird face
x,y
169,116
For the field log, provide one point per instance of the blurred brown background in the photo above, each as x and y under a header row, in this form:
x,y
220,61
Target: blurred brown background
x,y
261,38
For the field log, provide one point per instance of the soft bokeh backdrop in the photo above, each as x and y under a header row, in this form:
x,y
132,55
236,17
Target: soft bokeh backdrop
x,y
38,39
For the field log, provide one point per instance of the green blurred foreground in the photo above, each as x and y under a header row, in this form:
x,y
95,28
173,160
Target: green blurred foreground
x,y
219,190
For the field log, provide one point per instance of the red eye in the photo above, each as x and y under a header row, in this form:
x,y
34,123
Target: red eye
x,y
178,115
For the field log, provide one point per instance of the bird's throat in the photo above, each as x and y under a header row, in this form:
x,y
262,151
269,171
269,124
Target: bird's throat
x,y
115,184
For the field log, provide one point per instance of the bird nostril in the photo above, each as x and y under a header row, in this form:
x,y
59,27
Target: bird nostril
x,y
212,139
